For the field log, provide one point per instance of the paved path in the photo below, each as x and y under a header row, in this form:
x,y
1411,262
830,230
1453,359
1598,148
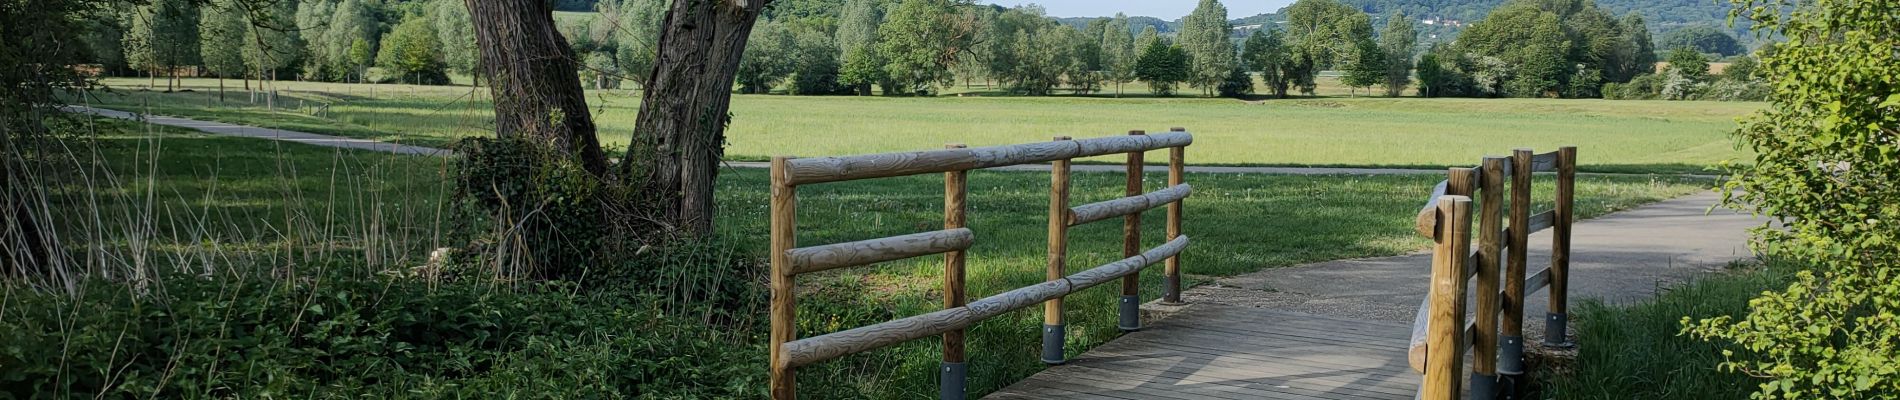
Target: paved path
x,y
220,128
1620,258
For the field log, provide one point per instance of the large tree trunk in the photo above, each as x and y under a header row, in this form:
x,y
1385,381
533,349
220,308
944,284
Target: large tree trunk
x,y
536,86
679,136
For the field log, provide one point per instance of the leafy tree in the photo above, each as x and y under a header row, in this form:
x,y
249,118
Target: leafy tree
x,y
768,59
1690,63
163,37
1636,55
1148,37
1118,52
920,41
860,65
1266,52
1368,67
104,38
360,58
1824,169
1703,38
1204,35
637,37
1163,66
599,70
333,30
1238,83
1397,41
1322,34
222,42
453,29
414,54
1087,67
815,62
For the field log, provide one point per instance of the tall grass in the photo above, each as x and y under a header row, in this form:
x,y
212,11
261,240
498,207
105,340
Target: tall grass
x,y
1637,352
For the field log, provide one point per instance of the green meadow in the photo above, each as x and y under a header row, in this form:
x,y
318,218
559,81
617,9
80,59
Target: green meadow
x,y
257,199
1613,136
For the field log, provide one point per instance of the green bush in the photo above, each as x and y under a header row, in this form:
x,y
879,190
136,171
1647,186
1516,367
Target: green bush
x,y
531,211
1825,167
348,335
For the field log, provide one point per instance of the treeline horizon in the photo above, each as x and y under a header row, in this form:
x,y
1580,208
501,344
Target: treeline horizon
x,y
1570,48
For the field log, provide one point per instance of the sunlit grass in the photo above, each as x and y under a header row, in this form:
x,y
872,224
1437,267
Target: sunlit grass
x,y
1613,136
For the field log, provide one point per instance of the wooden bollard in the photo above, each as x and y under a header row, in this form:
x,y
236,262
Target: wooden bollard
x,y
1556,324
1054,327
1130,303
1445,355
954,375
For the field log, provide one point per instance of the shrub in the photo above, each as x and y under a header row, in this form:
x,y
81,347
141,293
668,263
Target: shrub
x,y
529,211
1237,84
344,334
1825,166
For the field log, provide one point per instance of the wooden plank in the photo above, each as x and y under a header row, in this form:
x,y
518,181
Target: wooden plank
x,y
807,260
1443,369
1547,162
1231,368
784,237
833,169
1127,205
1204,382
955,191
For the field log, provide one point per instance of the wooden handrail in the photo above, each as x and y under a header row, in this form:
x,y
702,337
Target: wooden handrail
x,y
788,261
1495,335
807,260
833,345
804,171
1092,212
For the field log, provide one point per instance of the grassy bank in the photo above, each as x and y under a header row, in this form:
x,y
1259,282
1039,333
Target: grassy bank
x,y
282,210
1615,136
1636,352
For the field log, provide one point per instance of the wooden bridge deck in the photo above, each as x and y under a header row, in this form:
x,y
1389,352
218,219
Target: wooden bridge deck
x,y
1211,351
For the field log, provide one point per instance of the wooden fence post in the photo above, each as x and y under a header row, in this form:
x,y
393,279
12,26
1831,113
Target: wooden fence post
x,y
1484,353
1453,245
1130,311
955,374
784,238
1177,174
1511,346
1054,327
1556,327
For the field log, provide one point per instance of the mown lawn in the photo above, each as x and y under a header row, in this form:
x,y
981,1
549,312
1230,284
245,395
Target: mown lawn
x,y
1614,136
265,195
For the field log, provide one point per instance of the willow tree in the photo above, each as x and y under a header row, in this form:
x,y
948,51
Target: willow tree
x,y
680,130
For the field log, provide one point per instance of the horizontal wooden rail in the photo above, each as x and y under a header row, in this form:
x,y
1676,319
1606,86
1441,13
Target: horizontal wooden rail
x,y
825,347
833,169
1127,205
1546,162
865,252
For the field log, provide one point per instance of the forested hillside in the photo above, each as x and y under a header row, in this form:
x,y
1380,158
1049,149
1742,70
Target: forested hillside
x,y
1662,15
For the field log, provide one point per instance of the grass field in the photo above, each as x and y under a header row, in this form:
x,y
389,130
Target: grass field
x,y
264,194
1613,136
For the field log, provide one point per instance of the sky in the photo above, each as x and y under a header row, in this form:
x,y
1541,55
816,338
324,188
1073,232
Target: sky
x,y
1163,9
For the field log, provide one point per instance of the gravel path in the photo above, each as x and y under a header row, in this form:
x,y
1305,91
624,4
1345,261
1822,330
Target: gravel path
x,y
1620,258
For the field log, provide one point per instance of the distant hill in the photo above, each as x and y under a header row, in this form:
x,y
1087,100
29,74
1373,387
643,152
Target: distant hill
x,y
1661,15
1135,23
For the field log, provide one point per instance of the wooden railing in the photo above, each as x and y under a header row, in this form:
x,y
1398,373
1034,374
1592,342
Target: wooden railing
x,y
1497,347
788,261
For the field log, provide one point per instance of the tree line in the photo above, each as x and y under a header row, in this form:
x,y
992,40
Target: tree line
x,y
1523,48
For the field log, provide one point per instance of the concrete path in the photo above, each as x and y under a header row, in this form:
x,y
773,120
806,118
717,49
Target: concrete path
x,y
1620,258
220,128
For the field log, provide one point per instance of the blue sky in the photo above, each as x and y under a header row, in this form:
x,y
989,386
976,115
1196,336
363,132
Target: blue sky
x,y
1163,9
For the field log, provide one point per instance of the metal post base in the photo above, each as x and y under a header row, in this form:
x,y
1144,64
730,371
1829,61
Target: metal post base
x,y
952,380
1168,284
1511,355
1052,339
1483,387
1556,331
1130,314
